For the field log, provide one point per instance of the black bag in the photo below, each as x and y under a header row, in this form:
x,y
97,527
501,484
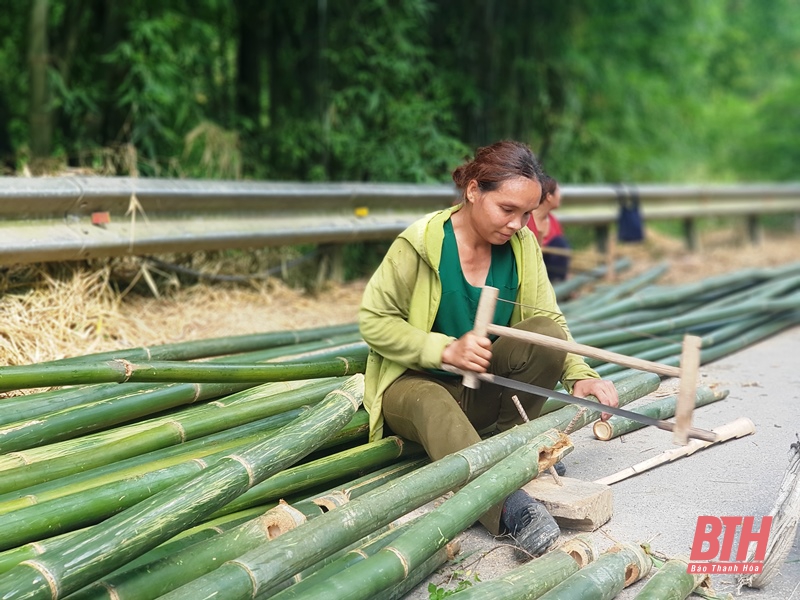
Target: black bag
x,y
630,226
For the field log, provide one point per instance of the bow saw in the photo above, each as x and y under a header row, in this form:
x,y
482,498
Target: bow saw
x,y
687,373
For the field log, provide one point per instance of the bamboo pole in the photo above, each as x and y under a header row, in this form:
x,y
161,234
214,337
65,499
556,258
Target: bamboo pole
x,y
175,565
618,567
435,529
436,560
219,346
88,502
123,371
785,519
694,318
70,423
159,577
671,582
353,489
537,576
117,540
163,435
735,429
291,588
563,289
322,470
262,568
195,420
664,408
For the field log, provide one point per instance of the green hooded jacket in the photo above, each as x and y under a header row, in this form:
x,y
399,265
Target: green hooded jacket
x,y
402,297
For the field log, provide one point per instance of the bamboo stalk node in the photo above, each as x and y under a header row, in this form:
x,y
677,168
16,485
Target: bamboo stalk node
x,y
51,580
332,500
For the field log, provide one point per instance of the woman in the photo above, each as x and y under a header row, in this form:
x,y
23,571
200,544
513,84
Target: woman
x,y
419,307
548,232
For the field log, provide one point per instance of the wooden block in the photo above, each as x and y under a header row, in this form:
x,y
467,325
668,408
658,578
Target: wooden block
x,y
576,504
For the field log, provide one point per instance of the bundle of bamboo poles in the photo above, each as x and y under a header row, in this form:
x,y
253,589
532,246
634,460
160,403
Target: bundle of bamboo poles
x,y
239,467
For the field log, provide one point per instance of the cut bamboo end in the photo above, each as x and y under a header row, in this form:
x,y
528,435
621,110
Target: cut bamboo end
x,y
639,564
280,519
690,365
561,446
602,431
581,548
483,317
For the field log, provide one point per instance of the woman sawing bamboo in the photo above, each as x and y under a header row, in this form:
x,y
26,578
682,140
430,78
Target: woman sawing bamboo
x,y
418,311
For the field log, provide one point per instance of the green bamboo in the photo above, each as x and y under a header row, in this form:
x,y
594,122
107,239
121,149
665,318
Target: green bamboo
x,y
663,408
657,349
138,465
534,578
219,346
603,579
670,582
434,530
205,530
171,569
159,577
262,568
584,327
123,371
423,571
694,318
606,294
212,526
161,433
74,564
316,574
199,418
662,296
61,509
378,507
770,288
563,289
631,385
342,464
42,403
72,422
751,335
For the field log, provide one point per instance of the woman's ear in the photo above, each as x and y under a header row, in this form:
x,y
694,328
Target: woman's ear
x,y
472,191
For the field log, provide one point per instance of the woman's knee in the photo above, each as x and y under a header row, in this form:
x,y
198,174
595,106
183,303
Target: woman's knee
x,y
543,325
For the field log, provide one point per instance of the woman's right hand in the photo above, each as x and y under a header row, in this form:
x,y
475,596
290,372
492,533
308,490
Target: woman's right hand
x,y
469,352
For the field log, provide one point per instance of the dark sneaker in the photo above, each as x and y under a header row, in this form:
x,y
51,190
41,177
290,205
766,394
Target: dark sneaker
x,y
561,468
529,523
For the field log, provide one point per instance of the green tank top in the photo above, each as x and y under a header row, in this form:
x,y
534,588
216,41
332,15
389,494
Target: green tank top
x,y
456,314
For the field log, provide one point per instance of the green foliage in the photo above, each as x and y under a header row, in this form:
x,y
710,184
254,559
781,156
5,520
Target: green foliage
x,y
463,580
403,90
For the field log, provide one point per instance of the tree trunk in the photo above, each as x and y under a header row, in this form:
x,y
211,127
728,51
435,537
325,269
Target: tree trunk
x,y
40,118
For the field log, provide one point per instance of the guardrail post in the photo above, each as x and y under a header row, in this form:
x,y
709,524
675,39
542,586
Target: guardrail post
x,y
601,237
690,234
331,263
754,231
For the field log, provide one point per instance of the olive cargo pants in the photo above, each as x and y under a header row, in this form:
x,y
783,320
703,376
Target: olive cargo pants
x,y
443,416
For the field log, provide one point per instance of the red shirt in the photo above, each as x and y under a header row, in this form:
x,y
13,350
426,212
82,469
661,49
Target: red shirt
x,y
554,230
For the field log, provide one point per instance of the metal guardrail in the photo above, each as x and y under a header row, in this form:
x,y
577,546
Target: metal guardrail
x,y
74,218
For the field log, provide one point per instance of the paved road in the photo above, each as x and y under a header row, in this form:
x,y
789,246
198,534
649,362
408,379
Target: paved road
x,y
739,477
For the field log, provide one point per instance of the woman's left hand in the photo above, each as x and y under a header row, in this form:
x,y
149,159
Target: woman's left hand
x,y
602,389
